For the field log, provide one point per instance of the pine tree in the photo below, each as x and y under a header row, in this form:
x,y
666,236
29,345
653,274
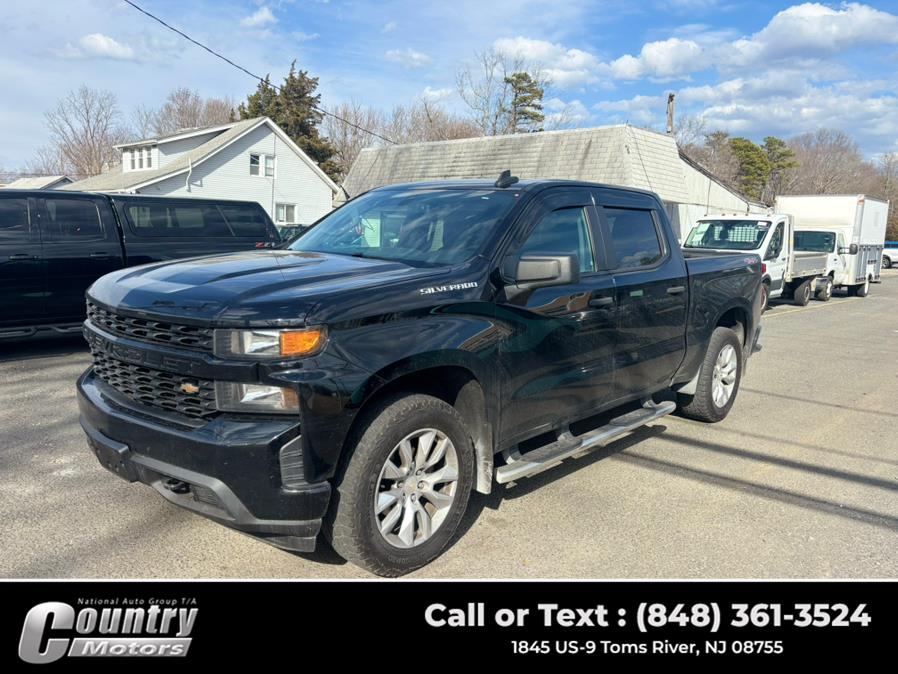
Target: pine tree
x,y
293,108
754,167
782,161
525,113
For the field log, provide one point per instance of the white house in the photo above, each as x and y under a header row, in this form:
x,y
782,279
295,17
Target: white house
x,y
616,155
249,160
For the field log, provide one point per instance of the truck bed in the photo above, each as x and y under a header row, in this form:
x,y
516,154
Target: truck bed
x,y
808,263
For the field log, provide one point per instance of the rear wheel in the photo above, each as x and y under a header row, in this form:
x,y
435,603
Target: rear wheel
x,y
860,291
825,293
802,294
886,262
402,493
765,296
718,380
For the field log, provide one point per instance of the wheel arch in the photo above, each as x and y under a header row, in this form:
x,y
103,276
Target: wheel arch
x,y
455,383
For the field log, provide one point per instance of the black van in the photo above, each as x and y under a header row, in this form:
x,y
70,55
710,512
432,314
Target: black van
x,y
54,244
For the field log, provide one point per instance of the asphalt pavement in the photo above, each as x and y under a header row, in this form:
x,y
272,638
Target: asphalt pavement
x,y
800,480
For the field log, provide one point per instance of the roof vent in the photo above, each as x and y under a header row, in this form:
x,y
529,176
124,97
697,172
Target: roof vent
x,y
506,179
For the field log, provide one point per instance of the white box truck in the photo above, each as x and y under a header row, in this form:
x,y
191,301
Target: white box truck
x,y
850,229
786,271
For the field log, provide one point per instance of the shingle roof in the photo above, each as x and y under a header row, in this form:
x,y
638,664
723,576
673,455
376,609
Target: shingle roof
x,y
617,155
35,182
116,179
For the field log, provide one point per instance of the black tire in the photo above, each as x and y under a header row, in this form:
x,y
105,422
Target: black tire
x,y
825,293
765,296
886,262
351,524
701,405
862,290
802,294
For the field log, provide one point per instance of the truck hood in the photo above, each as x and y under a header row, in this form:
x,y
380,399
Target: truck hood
x,y
255,286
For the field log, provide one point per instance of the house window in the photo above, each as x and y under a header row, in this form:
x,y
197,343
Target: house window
x,y
133,159
139,158
261,164
149,159
285,214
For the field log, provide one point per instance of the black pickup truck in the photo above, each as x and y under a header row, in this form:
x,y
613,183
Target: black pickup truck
x,y
54,244
419,342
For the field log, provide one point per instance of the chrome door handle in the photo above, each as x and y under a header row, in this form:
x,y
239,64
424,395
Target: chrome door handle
x,y
601,301
676,290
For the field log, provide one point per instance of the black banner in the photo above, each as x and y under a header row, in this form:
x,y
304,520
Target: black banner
x,y
296,623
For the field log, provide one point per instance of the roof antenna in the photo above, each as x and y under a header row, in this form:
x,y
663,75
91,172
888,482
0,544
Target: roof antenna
x,y
506,179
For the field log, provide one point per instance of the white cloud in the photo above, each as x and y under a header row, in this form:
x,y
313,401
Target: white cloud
x,y
389,27
565,114
432,94
814,30
664,59
260,18
408,58
299,36
97,45
778,102
562,66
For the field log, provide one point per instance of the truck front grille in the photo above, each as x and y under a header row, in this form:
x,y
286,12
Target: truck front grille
x,y
157,332
172,392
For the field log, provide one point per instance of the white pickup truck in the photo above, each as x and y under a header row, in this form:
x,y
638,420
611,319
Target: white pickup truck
x,y
786,271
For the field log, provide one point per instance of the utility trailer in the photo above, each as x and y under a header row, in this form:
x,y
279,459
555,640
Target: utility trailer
x,y
849,229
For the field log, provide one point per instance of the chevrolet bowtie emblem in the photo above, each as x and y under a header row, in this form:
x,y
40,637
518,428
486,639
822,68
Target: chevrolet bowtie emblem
x,y
189,388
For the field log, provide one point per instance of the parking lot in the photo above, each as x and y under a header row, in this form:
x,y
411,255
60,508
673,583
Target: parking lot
x,y
799,481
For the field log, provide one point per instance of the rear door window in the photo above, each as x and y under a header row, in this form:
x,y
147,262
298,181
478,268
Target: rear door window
x,y
177,219
72,220
634,237
246,221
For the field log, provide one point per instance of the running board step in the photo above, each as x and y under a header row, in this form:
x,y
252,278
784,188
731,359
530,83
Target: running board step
x,y
538,460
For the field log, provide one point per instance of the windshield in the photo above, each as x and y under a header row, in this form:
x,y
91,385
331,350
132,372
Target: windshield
x,y
418,227
818,242
728,234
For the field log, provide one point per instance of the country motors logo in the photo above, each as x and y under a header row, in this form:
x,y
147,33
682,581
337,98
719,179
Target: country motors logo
x,y
103,628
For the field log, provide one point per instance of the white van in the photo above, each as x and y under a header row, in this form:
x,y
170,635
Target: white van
x,y
849,229
787,272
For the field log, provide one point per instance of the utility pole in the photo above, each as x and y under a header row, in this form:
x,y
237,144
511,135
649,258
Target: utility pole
x,y
670,113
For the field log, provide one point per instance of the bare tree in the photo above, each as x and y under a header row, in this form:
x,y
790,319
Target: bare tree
x,y
487,89
830,162
143,121
186,109
717,156
48,160
347,134
420,121
690,133
83,126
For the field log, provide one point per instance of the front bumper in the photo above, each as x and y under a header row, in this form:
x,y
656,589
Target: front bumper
x,y
228,469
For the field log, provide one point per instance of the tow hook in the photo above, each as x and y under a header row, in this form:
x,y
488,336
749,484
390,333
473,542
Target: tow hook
x,y
176,486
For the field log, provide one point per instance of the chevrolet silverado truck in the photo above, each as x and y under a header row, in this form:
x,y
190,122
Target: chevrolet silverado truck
x,y
421,342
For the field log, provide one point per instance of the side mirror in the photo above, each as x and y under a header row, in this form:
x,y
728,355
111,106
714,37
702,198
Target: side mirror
x,y
850,250
540,271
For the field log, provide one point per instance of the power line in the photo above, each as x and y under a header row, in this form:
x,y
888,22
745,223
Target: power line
x,y
251,74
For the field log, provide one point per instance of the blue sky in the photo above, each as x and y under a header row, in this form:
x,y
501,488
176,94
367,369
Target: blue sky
x,y
751,68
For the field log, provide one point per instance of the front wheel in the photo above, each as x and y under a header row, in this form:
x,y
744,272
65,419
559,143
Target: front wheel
x,y
886,263
718,380
403,491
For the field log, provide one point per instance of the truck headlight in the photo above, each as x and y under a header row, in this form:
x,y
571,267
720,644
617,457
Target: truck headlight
x,y
237,397
269,343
